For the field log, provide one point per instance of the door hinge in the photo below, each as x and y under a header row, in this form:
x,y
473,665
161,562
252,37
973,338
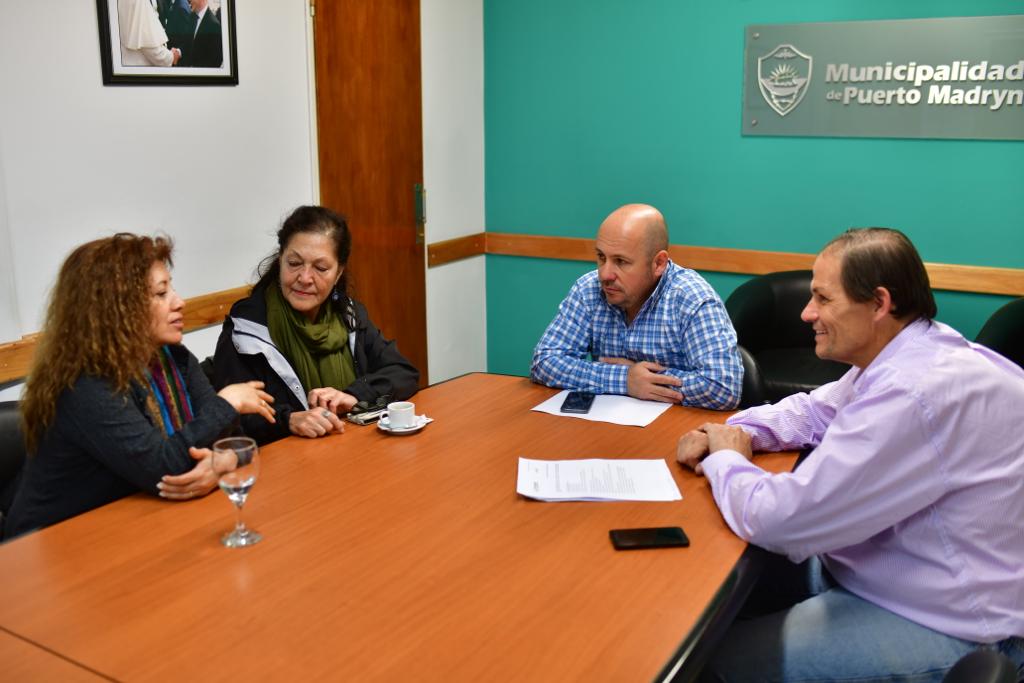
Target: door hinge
x,y
420,193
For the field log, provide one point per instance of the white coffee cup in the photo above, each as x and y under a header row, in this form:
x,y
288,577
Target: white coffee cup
x,y
401,415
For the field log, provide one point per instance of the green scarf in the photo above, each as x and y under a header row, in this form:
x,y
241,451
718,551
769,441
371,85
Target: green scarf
x,y
317,350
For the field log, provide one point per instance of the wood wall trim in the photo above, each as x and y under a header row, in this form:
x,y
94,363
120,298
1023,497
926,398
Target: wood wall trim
x,y
200,311
978,279
540,246
447,251
209,309
16,357
945,276
743,261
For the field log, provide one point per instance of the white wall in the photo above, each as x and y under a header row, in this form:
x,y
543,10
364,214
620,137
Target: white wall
x,y
9,319
215,167
453,170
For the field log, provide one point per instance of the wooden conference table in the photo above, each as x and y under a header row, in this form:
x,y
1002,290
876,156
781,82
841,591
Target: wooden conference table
x,y
384,558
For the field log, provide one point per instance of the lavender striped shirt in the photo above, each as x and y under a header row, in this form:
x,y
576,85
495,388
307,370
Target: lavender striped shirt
x,y
914,493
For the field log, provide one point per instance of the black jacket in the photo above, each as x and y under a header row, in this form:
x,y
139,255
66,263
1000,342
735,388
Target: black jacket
x,y
103,445
246,352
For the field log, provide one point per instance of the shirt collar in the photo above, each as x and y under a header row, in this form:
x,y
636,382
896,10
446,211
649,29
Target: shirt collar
x,y
905,336
659,288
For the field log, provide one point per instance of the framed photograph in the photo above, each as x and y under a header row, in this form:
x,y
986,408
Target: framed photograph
x,y
168,42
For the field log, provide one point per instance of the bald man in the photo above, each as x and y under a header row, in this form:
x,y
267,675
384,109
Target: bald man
x,y
641,325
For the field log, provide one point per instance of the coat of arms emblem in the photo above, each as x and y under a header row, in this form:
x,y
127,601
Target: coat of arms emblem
x,y
783,76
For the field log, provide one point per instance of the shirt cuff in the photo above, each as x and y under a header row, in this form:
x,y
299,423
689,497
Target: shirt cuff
x,y
719,461
618,380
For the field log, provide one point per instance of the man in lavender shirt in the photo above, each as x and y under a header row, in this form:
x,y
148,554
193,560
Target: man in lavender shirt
x,y
911,503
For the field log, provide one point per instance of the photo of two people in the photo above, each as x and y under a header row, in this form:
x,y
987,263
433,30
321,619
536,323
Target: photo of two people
x,y
167,41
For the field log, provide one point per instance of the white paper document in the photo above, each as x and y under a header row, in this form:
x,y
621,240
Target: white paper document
x,y
620,410
594,479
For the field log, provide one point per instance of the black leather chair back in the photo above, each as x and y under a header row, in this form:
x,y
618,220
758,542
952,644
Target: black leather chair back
x,y
12,453
753,383
1004,332
765,311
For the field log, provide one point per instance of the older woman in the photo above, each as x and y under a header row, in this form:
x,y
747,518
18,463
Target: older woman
x,y
114,403
299,332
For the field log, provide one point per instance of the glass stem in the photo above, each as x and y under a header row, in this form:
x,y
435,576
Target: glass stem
x,y
239,525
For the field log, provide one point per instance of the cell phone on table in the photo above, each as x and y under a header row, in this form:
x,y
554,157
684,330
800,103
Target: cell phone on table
x,y
364,412
577,402
366,416
654,537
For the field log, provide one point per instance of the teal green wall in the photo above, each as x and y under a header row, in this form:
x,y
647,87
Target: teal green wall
x,y
590,104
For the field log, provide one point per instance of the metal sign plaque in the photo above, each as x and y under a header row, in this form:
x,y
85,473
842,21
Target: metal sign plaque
x,y
959,77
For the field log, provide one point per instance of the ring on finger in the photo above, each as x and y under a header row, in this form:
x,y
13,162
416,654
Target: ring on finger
x,y
325,412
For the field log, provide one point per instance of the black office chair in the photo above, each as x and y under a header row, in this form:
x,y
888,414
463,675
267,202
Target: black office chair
x,y
765,311
982,666
1004,332
753,384
12,455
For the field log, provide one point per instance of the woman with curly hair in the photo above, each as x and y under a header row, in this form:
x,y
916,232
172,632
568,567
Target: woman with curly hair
x,y
114,403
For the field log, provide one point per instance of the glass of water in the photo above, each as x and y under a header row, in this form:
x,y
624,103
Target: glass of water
x,y
237,463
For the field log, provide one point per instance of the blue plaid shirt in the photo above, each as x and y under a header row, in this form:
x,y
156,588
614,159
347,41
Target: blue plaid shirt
x,y
683,325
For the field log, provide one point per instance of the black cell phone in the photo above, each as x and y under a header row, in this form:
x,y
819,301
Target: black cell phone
x,y
364,412
366,416
577,402
657,537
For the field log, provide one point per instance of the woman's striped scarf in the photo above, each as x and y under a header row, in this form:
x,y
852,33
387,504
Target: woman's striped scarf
x,y
168,400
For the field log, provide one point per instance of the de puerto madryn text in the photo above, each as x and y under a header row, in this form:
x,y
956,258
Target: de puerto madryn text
x,y
957,83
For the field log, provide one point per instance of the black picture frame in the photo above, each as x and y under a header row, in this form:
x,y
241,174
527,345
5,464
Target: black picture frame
x,y
115,72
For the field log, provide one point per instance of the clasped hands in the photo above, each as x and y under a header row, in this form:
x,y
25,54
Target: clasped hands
x,y
711,437
647,380
248,398
325,404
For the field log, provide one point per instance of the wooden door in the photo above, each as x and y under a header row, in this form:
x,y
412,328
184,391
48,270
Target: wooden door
x,y
369,119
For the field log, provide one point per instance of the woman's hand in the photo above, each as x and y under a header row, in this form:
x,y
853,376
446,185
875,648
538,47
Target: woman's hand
x,y
315,422
338,402
249,398
195,483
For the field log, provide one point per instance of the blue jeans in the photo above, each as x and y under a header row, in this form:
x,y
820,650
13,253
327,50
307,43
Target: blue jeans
x,y
836,636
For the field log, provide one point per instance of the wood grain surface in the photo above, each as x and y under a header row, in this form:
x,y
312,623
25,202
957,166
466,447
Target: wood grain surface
x,y
24,661
369,108
385,558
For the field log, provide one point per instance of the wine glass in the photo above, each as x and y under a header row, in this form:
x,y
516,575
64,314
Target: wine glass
x,y
236,460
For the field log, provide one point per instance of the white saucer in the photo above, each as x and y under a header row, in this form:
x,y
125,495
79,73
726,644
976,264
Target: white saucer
x,y
421,422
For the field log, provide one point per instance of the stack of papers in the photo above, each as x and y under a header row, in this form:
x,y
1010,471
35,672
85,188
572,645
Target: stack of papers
x,y
557,480
620,410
